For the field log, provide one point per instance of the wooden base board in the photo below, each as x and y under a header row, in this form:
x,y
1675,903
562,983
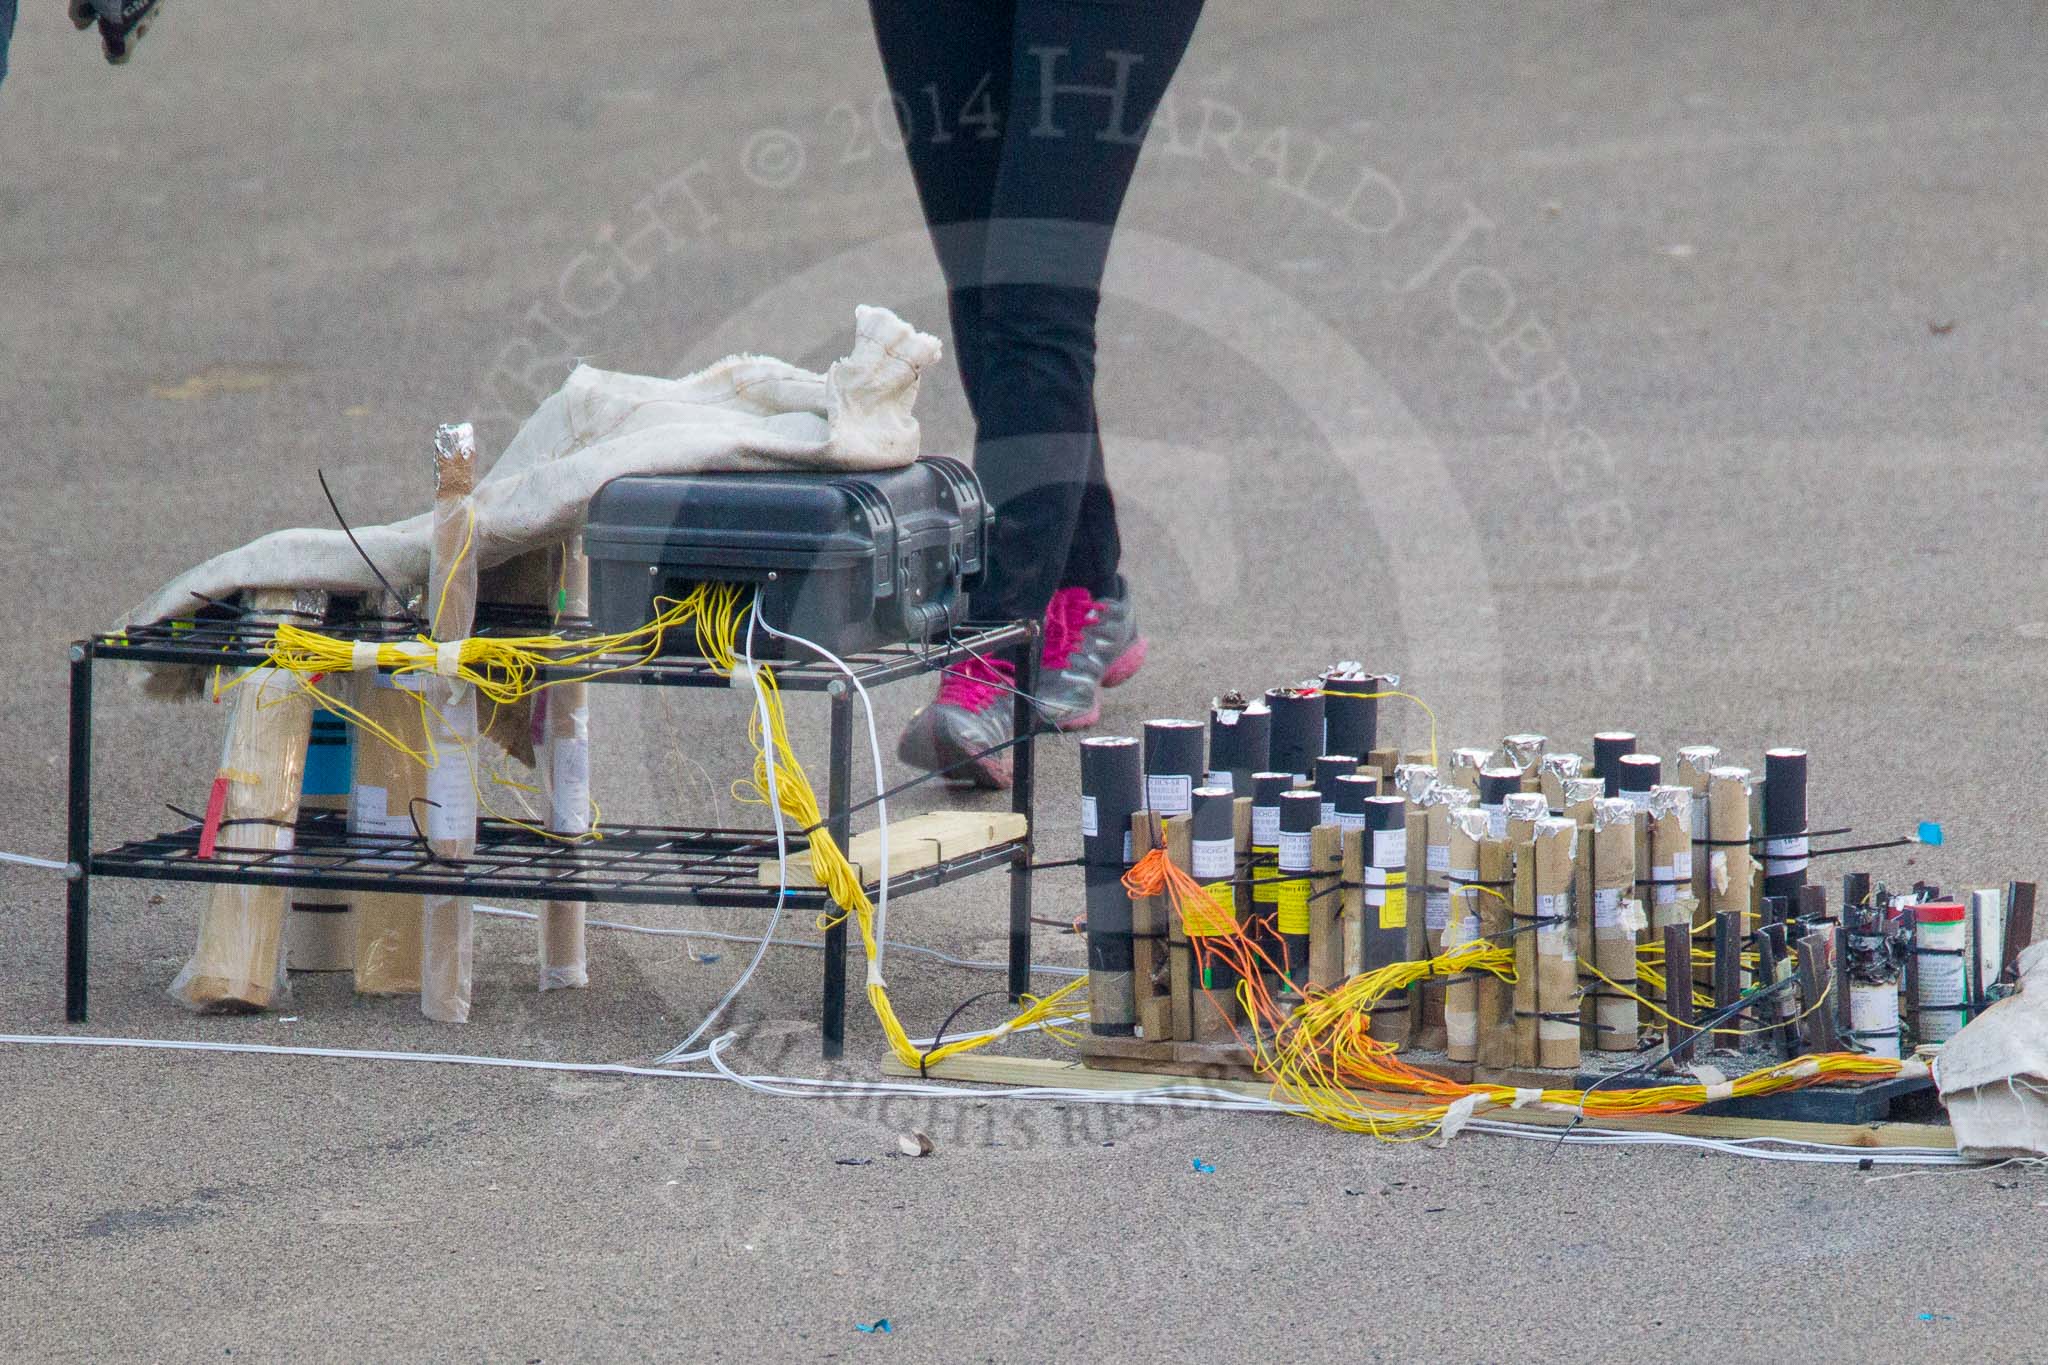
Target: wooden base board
x,y
1866,1102
1209,1060
914,844
982,1068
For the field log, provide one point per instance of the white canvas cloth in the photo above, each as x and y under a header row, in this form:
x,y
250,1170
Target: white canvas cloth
x,y
1993,1075
744,413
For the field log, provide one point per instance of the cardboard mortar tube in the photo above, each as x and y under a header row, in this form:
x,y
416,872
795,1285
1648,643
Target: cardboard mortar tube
x,y
1580,794
1730,866
238,960
1671,857
1436,906
1461,997
447,939
1617,916
1557,979
563,959
381,803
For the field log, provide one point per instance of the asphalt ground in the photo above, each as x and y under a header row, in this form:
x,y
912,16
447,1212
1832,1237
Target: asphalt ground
x,y
1593,366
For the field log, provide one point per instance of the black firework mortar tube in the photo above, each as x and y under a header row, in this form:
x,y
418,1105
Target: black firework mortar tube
x,y
1262,923
1299,813
1173,766
1351,713
1496,785
1240,737
1785,845
1297,729
1112,788
1608,747
1328,768
1386,891
1348,794
1212,858
1637,774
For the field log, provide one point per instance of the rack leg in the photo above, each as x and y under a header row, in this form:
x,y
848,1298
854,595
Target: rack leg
x,y
78,847
1023,793
838,801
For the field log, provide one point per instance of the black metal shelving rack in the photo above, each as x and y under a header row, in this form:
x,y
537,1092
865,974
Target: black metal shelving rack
x,y
632,864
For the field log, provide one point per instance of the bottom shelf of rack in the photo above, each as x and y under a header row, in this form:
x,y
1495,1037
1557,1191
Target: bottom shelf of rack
x,y
629,864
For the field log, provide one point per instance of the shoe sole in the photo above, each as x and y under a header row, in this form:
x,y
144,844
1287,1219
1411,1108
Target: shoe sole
x,y
1127,663
1092,716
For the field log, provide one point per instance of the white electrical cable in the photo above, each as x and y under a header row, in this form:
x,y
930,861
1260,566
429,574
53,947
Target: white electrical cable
x,y
781,847
27,861
881,787
1186,1096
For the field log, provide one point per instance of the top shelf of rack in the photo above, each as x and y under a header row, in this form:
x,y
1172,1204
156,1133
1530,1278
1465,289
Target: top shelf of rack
x,y
217,638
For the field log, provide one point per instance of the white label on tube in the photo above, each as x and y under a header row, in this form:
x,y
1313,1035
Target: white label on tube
x,y
1348,822
569,779
1496,821
1168,794
1294,851
1874,1017
1329,816
1221,779
1606,907
368,809
1127,848
1681,863
1937,981
1436,911
452,815
1213,860
1665,879
1265,826
1437,857
1938,1026
1088,817
1782,857
1390,847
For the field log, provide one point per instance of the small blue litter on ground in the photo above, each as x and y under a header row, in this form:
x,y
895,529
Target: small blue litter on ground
x,y
1203,1168
1936,1317
880,1325
1930,833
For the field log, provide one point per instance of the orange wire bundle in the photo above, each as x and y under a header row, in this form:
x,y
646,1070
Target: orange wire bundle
x,y
1323,1060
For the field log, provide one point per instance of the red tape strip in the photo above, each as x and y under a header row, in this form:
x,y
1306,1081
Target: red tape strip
x,y
216,806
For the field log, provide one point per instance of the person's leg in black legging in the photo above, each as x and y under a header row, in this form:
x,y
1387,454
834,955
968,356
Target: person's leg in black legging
x,y
1023,122
945,59
1021,221
1085,80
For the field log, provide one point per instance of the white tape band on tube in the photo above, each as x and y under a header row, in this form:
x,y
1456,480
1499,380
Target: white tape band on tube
x,y
362,657
448,658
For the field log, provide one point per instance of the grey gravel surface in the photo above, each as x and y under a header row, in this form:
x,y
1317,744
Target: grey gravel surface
x,y
1590,365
